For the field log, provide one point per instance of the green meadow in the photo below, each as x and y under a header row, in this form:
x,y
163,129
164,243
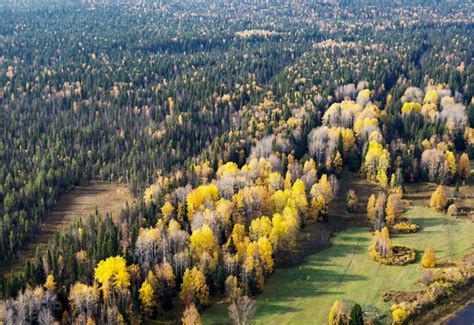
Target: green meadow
x,y
304,294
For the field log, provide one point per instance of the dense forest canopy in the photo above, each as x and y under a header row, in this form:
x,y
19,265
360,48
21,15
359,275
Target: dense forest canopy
x,y
231,122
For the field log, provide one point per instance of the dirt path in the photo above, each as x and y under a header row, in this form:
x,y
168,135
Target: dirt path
x,y
77,203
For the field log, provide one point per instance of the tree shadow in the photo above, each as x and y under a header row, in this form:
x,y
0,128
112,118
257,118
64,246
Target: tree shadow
x,y
310,282
427,222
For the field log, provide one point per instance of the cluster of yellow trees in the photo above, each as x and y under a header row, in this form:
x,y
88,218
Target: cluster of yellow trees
x,y
237,221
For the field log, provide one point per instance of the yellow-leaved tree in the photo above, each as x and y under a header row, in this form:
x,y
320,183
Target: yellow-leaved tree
x,y
167,210
338,314
260,227
50,284
464,166
376,163
191,316
204,244
438,200
265,250
371,210
451,162
112,274
147,296
194,288
83,298
429,257
199,196
390,212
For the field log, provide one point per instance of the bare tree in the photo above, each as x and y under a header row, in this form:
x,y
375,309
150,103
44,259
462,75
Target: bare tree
x,y
242,310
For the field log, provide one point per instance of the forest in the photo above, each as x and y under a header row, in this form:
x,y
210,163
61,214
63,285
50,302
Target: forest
x,y
243,130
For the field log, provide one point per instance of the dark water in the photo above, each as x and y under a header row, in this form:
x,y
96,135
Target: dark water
x,y
464,317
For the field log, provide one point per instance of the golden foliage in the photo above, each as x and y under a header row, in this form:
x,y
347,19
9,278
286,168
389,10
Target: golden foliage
x,y
112,273
194,287
146,295
260,227
411,106
438,200
464,166
429,258
199,196
167,210
203,241
191,316
50,284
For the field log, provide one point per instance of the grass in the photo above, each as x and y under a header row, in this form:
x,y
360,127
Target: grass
x,y
305,294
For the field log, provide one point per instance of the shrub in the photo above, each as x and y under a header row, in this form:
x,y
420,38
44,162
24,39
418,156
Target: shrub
x,y
452,210
399,315
401,256
405,227
429,258
351,201
439,201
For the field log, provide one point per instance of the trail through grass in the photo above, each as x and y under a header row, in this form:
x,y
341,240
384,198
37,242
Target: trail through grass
x,y
305,294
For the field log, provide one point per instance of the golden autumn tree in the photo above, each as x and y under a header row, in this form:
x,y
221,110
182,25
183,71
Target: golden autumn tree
x,y
298,194
83,298
371,210
203,242
376,163
167,210
112,274
260,227
147,296
279,230
199,196
266,251
429,258
50,284
337,163
253,267
451,162
338,313
390,212
464,166
318,207
383,245
194,288
191,316
439,201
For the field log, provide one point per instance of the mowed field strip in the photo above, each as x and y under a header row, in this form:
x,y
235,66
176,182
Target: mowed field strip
x,y
304,294
76,204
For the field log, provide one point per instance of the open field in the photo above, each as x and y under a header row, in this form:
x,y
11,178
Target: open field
x,y
77,203
304,294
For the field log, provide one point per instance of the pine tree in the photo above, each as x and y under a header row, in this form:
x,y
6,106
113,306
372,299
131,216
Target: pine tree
x,y
356,317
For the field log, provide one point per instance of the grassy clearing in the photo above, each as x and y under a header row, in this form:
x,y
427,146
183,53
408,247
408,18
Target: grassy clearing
x,y
73,205
304,294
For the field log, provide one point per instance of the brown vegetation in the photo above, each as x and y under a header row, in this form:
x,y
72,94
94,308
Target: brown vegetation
x,y
77,204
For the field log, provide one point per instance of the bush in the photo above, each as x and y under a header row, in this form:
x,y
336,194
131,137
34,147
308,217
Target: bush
x,y
405,227
351,201
402,255
399,315
439,201
452,210
429,258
